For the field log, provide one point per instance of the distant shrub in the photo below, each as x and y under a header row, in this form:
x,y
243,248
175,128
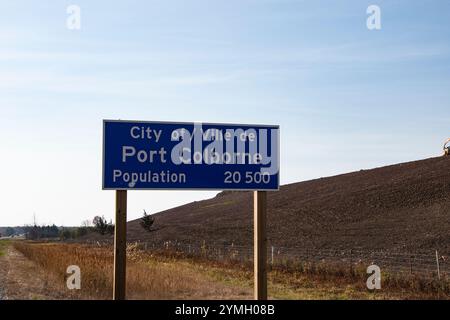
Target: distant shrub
x,y
102,226
147,222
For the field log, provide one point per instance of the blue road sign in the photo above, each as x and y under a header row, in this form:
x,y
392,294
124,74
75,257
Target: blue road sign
x,y
176,155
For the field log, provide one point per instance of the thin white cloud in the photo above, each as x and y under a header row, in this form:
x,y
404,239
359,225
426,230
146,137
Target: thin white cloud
x,y
41,80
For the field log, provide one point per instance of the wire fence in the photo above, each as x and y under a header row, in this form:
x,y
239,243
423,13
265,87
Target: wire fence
x,y
430,264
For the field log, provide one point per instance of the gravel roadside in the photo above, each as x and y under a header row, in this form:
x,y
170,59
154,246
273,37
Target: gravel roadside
x,y
3,271
21,279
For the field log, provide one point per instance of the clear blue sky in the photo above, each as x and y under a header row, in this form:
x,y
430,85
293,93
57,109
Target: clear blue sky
x,y
346,97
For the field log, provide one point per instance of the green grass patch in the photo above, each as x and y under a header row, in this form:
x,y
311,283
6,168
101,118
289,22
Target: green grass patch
x,y
3,245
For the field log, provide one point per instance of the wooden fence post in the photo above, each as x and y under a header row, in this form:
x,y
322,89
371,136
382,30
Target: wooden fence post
x,y
410,264
272,255
351,261
438,267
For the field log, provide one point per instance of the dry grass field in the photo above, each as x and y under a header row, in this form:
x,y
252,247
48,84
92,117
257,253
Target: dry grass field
x,y
147,278
158,275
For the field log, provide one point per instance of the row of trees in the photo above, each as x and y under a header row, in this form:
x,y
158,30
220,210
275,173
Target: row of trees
x,y
103,227
99,225
38,232
9,231
12,231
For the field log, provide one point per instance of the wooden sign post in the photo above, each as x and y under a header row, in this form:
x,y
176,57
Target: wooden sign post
x,y
260,244
120,246
156,155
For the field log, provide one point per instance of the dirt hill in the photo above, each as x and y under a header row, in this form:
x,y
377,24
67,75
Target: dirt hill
x,y
403,206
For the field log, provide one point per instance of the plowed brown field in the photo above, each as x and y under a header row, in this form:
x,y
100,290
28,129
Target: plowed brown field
x,y
399,207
